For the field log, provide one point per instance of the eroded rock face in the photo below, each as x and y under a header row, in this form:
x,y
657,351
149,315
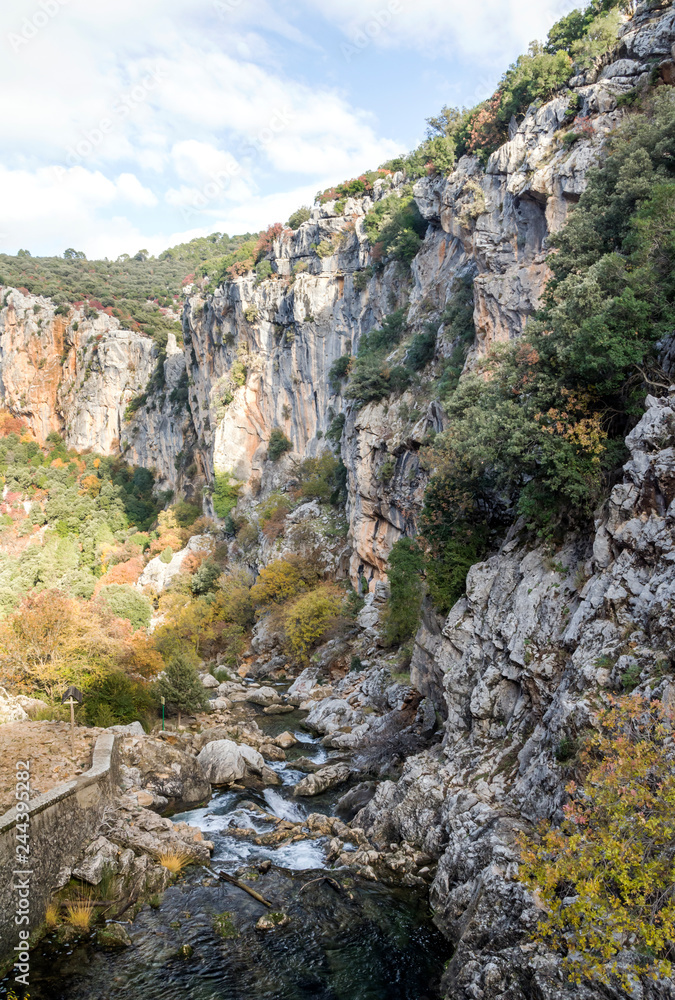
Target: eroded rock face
x,y
521,663
171,777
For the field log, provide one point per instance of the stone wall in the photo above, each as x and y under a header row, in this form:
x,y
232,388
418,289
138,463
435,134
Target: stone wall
x,y
62,821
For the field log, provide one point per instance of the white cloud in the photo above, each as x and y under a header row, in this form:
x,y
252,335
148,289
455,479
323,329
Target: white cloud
x,y
481,30
130,188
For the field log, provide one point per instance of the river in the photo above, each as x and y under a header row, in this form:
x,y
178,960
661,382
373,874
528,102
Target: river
x,y
347,938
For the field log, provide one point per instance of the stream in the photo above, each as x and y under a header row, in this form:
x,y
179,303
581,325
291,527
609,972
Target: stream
x,y
347,939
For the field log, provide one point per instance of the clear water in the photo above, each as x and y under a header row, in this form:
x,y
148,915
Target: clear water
x,y
359,941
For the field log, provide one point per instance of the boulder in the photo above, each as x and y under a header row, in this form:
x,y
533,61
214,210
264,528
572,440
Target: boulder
x,y
254,760
221,704
285,740
302,687
331,714
222,762
263,696
269,776
132,729
165,772
322,780
10,708
272,752
278,709
209,681
113,936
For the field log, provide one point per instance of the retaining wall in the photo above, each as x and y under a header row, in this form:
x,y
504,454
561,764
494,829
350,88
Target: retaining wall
x,y
61,823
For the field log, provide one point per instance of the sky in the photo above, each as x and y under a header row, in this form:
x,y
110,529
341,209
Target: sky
x,y
139,124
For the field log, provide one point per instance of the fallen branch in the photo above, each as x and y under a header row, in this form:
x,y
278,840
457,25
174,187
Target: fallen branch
x,y
240,885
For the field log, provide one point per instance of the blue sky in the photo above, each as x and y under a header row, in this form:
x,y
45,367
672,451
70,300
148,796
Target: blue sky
x,y
132,124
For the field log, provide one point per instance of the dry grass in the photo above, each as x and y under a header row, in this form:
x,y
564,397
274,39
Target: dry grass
x,y
174,861
80,914
52,914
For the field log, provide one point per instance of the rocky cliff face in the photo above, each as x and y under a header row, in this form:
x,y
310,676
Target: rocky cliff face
x,y
515,668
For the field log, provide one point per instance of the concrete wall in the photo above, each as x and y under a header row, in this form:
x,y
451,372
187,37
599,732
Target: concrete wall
x,y
62,822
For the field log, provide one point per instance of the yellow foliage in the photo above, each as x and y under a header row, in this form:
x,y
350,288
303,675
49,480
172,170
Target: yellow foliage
x,y
52,914
80,914
606,876
281,580
174,861
308,619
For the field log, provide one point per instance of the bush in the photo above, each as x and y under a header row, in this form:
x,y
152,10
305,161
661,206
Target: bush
x,y
167,555
278,445
405,568
225,495
263,270
422,348
308,620
605,876
127,602
205,578
302,215
186,513
337,372
117,699
281,580
395,229
324,479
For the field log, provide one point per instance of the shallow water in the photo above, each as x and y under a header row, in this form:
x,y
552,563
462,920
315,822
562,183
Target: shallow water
x,y
350,940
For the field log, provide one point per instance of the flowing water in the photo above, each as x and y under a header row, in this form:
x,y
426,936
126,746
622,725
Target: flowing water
x,y
347,939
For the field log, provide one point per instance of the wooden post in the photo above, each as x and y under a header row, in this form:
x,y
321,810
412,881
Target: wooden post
x,y
71,702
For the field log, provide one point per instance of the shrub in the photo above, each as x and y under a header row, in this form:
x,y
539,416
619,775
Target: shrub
x,y
225,495
186,513
361,278
335,429
405,568
395,227
251,314
278,445
167,555
323,479
127,602
281,580
422,348
338,372
605,876
117,699
263,270
301,215
309,618
205,578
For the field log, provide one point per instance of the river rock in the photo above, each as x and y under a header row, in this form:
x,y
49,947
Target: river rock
x,y
164,771
302,686
254,760
269,776
221,704
332,714
355,799
278,709
321,781
113,936
209,681
272,752
263,696
222,762
285,740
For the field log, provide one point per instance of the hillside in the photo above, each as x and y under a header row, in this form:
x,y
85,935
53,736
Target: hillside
x,y
413,451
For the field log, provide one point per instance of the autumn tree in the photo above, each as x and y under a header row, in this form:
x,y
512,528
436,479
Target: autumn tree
x,y
606,876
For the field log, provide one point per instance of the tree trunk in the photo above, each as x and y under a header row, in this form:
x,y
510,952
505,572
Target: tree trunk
x,y
179,720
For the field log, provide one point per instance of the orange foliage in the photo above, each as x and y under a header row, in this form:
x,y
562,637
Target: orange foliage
x,y
192,562
12,425
91,486
124,572
53,640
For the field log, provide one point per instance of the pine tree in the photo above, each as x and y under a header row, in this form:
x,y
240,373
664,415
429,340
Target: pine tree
x,y
181,687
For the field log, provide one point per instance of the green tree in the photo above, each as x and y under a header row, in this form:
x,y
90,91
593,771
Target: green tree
x,y
181,687
406,565
126,602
